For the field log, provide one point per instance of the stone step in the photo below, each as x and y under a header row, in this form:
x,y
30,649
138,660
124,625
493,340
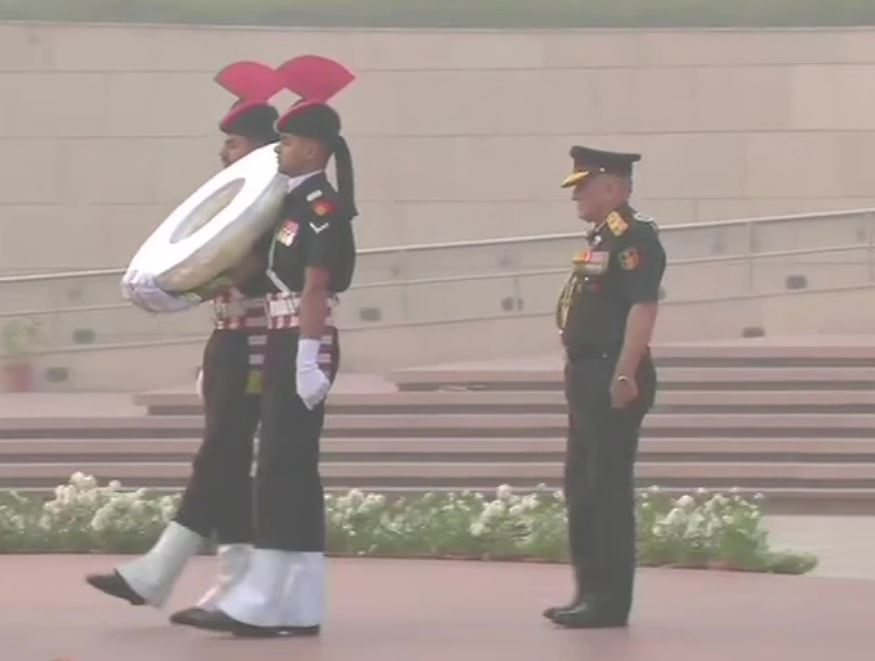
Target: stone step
x,y
801,425
848,351
673,378
860,349
431,449
550,401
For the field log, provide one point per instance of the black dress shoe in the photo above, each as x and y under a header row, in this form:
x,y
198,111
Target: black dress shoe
x,y
587,616
250,631
187,616
114,585
219,621
581,595
550,613
200,618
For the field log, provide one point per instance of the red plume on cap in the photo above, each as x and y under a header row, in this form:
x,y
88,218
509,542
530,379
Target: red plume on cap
x,y
316,79
313,77
253,84
250,81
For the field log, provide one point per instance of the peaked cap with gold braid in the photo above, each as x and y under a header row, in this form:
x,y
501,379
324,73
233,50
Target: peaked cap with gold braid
x,y
588,162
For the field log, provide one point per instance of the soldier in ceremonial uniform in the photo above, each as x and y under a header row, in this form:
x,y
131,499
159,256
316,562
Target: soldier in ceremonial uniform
x,y
606,315
218,497
309,261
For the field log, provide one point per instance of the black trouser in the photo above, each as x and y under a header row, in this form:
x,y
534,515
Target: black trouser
x,y
289,500
218,497
599,480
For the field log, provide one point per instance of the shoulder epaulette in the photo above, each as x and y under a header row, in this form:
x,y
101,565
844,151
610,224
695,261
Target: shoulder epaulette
x,y
617,224
644,218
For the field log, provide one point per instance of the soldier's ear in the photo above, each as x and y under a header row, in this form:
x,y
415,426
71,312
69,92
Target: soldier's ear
x,y
309,148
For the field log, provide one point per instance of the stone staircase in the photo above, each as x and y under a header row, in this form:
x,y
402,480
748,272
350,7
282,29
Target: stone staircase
x,y
795,421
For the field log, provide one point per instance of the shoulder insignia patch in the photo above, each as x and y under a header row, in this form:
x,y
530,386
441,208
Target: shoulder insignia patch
x,y
629,259
617,224
323,207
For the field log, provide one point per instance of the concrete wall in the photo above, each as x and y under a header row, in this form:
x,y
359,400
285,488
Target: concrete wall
x,y
456,135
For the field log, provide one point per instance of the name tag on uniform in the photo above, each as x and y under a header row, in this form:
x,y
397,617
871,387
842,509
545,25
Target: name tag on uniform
x,y
592,262
287,233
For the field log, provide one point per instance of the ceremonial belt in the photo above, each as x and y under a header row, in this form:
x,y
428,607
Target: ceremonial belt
x,y
239,314
283,310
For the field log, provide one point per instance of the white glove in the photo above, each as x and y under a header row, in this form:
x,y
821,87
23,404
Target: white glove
x,y
128,290
312,384
199,384
140,288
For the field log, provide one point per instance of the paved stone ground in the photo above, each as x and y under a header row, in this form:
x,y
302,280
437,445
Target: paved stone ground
x,y
844,545
385,610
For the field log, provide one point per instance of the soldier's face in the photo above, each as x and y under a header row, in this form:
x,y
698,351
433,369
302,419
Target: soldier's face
x,y
587,195
234,148
297,155
598,195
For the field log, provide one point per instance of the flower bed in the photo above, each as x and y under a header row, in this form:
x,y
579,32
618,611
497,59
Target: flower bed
x,y
696,530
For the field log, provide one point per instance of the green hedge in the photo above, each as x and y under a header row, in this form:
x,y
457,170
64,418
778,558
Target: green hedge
x,y
455,13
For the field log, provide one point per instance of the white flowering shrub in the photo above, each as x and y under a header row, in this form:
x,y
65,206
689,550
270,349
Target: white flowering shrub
x,y
16,522
83,516
131,522
705,530
695,530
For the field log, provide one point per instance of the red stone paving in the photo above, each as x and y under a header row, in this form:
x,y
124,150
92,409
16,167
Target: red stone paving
x,y
416,610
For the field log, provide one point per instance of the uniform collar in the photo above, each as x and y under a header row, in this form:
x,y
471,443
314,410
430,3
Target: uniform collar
x,y
295,182
595,234
624,210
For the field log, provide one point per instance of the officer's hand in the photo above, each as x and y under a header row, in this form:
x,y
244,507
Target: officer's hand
x,y
623,392
312,384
